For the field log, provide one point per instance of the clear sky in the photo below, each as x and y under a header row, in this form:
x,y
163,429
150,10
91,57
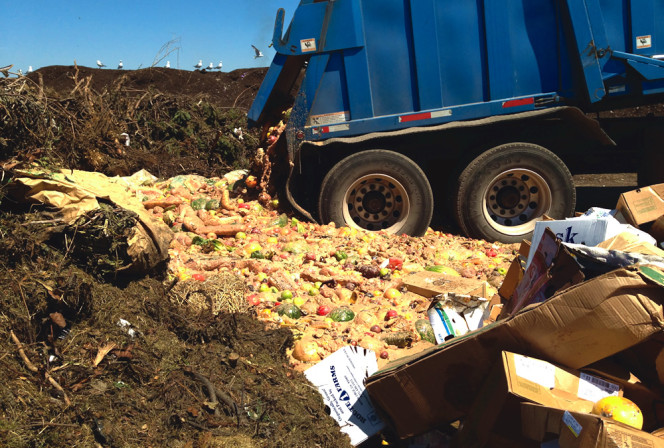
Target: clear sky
x,y
40,33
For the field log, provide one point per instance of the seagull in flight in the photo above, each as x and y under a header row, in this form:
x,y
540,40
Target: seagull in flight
x,y
99,64
259,54
168,64
200,64
219,65
120,65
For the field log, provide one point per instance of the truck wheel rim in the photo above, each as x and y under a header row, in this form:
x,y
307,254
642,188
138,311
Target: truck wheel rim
x,y
376,202
515,199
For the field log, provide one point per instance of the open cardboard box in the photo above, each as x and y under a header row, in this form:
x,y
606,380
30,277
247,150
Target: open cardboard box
x,y
576,327
581,430
517,378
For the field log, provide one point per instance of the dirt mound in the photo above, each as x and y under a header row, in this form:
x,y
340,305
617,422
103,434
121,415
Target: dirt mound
x,y
93,362
225,89
119,121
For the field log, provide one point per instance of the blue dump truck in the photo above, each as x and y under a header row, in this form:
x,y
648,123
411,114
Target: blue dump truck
x,y
400,106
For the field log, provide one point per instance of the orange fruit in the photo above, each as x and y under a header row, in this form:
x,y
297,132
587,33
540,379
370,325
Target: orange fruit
x,y
619,409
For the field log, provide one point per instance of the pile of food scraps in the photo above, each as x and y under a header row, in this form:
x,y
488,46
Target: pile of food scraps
x,y
331,286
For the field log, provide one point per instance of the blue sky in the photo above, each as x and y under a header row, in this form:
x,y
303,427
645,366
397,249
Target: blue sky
x,y
42,33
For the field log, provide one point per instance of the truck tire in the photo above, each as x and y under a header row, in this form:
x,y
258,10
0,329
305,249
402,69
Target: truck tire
x,y
377,190
504,191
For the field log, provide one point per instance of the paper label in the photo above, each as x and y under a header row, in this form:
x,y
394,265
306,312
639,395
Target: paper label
x,y
572,424
535,370
622,438
594,389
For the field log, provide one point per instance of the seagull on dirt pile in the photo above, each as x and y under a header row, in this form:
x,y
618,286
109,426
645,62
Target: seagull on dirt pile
x,y
99,64
259,54
199,65
219,65
29,68
168,64
120,65
210,67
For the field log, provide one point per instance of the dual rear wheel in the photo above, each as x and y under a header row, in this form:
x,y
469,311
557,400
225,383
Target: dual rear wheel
x,y
498,196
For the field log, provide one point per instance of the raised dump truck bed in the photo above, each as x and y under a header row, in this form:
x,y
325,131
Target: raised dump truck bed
x,y
385,92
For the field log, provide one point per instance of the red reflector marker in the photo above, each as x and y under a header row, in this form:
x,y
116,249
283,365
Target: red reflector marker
x,y
519,102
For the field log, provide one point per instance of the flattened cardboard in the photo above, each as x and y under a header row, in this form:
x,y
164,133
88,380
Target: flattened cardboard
x,y
642,205
579,326
581,430
594,319
429,284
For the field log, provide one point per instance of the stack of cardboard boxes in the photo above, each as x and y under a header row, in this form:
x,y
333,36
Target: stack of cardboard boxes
x,y
567,336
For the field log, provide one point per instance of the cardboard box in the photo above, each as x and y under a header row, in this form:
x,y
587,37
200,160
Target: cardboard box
x,y
583,324
515,272
552,269
519,378
657,230
339,379
585,230
580,430
642,205
628,242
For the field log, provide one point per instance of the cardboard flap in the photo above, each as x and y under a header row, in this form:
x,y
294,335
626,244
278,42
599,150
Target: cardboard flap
x,y
602,316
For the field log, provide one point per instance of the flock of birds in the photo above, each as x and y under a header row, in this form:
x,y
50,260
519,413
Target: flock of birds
x,y
199,66
5,71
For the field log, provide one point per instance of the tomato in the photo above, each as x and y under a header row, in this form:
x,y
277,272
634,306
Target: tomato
x,y
199,277
395,263
323,310
244,205
251,181
491,253
253,300
391,314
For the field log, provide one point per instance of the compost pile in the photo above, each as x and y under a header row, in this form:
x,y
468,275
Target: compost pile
x,y
92,359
